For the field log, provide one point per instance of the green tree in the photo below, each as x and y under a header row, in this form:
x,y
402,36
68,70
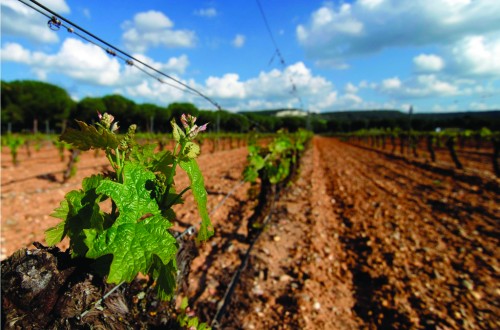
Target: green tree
x,y
86,110
147,117
121,107
27,100
176,109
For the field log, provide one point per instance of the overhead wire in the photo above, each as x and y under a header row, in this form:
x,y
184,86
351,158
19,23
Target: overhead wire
x,y
277,52
55,22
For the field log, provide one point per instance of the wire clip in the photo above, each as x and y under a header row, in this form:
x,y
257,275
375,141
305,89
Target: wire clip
x,y
54,24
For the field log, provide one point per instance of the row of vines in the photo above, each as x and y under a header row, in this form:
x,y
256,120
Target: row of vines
x,y
427,144
210,143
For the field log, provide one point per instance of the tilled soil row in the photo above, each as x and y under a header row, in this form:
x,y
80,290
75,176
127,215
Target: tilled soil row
x,y
423,249
296,277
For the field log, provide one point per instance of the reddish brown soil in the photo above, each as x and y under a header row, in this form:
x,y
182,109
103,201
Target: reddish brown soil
x,y
361,240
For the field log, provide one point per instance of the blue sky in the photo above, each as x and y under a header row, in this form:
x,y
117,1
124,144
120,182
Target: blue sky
x,y
436,55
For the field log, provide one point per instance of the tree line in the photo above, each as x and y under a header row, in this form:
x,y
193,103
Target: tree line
x,y
29,105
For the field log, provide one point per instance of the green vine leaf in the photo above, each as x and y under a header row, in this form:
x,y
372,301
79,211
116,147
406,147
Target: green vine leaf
x,y
90,137
79,210
200,195
133,196
55,234
139,233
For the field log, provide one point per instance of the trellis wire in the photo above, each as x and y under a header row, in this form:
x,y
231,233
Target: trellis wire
x,y
277,52
54,23
101,300
221,305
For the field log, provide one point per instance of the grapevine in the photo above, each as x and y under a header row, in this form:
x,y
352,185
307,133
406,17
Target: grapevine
x,y
134,236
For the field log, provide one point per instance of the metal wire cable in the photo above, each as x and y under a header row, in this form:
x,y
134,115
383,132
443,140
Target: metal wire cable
x,y
54,23
222,304
277,52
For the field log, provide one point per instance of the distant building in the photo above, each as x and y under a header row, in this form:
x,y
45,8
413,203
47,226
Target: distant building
x,y
291,113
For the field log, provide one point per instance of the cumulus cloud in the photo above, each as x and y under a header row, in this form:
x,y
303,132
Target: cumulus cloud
x,y
174,67
16,53
239,41
476,56
391,83
83,62
154,29
89,63
421,86
337,33
428,63
350,88
21,21
226,87
154,91
270,89
206,12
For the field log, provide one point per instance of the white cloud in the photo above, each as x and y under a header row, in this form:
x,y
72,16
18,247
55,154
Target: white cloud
x,y
173,65
226,87
15,53
239,41
327,102
428,63
83,62
89,63
352,99
154,91
350,88
154,29
151,21
21,21
270,89
391,83
481,106
421,86
366,84
57,5
326,21
431,85
370,4
206,12
337,33
476,56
